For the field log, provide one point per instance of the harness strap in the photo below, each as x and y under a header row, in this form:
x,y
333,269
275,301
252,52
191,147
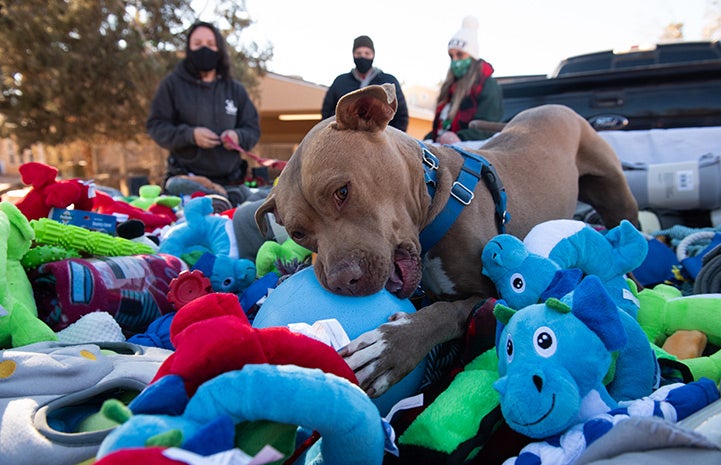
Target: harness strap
x,y
474,168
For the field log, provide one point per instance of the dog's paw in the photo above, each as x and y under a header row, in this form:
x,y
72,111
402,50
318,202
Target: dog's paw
x,y
377,358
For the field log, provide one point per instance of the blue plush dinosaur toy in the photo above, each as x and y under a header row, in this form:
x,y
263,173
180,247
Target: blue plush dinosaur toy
x,y
554,360
555,255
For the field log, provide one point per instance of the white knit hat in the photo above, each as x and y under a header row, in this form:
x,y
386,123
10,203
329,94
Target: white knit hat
x,y
466,38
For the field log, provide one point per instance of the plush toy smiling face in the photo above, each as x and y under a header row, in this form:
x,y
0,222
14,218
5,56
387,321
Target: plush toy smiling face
x,y
544,359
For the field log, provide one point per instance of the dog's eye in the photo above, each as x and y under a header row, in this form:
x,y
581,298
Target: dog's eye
x,y
297,235
544,341
341,194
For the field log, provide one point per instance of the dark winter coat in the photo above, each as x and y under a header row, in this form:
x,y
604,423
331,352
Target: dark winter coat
x,y
184,102
349,82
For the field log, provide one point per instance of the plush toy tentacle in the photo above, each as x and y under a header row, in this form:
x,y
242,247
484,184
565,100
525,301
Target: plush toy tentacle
x,y
593,306
348,421
165,396
629,248
705,367
218,435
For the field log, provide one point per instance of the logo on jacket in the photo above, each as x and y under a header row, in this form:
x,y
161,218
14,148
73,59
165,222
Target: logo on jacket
x,y
230,107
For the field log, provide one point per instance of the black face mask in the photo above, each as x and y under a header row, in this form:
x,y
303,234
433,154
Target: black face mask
x,y
204,59
363,64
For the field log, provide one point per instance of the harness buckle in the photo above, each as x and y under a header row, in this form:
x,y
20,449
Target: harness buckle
x,y
430,159
462,193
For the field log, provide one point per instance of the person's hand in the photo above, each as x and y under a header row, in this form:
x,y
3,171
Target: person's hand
x,y
448,137
229,134
205,138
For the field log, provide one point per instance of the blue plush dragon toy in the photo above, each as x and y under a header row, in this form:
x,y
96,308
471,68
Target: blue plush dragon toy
x,y
554,257
553,363
554,359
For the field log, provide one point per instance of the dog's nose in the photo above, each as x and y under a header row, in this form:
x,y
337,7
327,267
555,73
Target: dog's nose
x,y
345,278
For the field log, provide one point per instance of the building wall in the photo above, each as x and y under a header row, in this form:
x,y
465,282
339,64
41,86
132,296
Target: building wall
x,y
118,165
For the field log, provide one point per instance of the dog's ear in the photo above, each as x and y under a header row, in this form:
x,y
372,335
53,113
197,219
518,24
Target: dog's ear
x,y
368,109
261,213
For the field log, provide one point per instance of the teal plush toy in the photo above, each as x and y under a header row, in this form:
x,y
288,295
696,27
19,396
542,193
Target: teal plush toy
x,y
19,322
349,425
555,255
554,360
202,231
226,274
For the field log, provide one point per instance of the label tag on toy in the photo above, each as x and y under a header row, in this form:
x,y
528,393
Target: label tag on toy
x,y
673,185
628,295
229,457
90,184
405,404
85,219
327,331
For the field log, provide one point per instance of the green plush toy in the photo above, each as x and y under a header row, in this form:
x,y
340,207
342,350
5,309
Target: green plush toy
x,y
455,415
150,195
19,322
271,254
664,310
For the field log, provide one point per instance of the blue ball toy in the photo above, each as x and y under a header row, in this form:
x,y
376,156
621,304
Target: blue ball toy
x,y
302,299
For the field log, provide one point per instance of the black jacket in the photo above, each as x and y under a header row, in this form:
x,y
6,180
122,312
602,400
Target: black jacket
x,y
348,82
183,102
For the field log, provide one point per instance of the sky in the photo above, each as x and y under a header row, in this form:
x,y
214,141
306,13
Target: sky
x,y
313,38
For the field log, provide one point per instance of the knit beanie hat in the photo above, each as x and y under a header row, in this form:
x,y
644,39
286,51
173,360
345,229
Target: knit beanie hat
x,y
466,39
363,41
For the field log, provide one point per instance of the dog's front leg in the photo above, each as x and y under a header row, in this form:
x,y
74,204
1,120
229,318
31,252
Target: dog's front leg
x,y
383,356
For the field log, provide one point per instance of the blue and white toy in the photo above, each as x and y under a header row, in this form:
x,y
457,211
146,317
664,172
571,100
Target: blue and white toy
x,y
567,358
555,255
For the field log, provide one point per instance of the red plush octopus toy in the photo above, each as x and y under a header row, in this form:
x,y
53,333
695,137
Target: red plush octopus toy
x,y
47,192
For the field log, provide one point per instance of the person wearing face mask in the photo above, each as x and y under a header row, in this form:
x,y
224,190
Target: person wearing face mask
x,y
469,91
362,75
196,108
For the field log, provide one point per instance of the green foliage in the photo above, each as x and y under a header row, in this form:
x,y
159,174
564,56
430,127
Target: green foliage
x,y
87,69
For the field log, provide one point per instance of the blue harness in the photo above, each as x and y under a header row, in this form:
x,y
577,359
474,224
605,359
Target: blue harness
x,y
475,168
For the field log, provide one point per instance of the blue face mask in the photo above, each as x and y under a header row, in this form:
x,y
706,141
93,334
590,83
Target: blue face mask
x,y
460,67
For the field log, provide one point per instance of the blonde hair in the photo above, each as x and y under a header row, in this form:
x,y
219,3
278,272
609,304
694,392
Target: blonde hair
x,y
463,88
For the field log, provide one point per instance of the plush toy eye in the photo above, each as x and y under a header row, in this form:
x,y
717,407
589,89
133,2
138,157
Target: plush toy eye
x,y
509,348
544,341
518,283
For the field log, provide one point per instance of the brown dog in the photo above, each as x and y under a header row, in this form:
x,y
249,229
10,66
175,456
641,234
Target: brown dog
x,y
355,192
